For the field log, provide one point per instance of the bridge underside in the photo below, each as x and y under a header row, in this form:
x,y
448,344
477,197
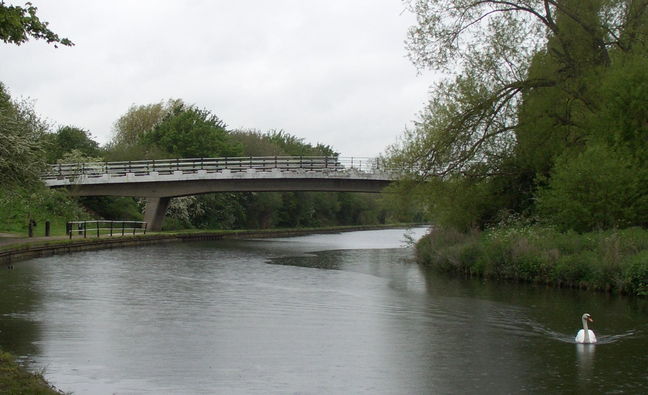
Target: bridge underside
x,y
159,193
197,187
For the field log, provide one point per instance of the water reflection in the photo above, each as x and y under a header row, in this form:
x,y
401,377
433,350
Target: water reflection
x,y
19,326
585,362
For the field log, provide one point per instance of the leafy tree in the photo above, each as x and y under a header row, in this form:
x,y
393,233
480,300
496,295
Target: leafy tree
x,y
487,48
138,120
523,89
129,130
257,143
17,24
278,142
262,209
68,139
21,155
189,132
600,188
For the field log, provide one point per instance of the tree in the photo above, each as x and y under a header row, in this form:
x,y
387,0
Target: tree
x,y
600,188
487,48
522,90
188,132
21,155
17,24
68,139
131,127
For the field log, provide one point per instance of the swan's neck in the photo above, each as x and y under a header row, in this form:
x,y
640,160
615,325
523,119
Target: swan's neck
x,y
586,331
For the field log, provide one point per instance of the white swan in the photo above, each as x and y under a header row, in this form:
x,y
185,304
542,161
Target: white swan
x,y
585,335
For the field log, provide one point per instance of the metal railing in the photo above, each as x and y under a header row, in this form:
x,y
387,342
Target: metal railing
x,y
105,227
211,165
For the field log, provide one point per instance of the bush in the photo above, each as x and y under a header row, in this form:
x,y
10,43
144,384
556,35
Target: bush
x,y
614,261
636,274
601,188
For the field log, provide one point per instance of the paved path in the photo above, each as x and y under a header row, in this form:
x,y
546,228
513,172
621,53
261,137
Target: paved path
x,y
8,239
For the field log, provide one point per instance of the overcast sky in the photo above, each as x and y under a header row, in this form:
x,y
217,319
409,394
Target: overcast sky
x,y
329,71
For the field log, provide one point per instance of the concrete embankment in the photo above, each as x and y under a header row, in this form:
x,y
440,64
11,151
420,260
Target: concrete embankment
x,y
24,248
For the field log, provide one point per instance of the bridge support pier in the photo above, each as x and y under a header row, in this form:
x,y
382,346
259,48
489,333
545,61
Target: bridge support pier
x,y
154,212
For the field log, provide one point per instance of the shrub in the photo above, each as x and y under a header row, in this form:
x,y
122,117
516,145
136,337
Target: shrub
x,y
636,274
611,261
600,188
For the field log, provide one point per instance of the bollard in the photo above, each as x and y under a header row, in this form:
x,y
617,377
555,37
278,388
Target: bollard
x,y
30,227
47,229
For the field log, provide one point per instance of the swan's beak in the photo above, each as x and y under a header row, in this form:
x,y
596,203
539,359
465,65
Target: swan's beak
x,y
590,319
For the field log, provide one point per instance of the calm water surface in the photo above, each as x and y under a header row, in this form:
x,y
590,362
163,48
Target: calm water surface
x,y
343,313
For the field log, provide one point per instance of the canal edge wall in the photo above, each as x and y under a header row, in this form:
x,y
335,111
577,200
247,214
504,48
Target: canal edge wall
x,y
28,250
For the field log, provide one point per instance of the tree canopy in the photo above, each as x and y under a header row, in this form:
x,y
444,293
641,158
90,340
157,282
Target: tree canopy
x,y
189,132
68,139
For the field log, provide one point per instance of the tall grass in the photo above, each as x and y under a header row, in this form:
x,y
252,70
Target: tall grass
x,y
612,261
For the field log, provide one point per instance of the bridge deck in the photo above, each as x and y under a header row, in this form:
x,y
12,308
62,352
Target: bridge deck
x,y
253,169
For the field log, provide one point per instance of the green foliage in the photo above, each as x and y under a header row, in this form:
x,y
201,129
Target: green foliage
x,y
17,24
622,119
257,143
68,139
141,119
188,132
220,211
21,154
295,146
129,131
614,261
40,204
636,276
543,113
600,188
278,143
15,379
112,207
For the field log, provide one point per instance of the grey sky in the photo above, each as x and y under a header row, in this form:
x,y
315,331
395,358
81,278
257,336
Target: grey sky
x,y
329,71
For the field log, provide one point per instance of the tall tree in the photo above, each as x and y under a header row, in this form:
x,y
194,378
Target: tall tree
x,y
21,155
522,90
487,48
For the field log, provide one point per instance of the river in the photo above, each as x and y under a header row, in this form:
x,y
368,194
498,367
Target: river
x,y
319,314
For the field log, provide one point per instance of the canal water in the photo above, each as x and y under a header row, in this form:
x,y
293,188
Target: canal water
x,y
319,314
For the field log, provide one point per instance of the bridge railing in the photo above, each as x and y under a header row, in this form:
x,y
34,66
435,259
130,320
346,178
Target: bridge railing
x,y
210,165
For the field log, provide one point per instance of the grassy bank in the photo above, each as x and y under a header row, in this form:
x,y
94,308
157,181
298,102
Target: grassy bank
x,y
612,261
15,379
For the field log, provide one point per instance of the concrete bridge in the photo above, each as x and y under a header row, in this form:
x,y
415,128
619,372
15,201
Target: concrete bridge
x,y
160,180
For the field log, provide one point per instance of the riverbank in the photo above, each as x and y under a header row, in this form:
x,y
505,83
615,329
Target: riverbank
x,y
15,379
609,261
